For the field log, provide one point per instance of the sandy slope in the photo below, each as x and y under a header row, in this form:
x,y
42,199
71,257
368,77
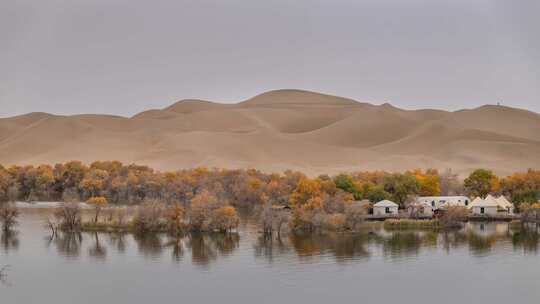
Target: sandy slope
x,y
285,129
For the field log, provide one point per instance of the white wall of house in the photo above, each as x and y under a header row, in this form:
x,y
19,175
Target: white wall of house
x,y
425,209
385,211
487,210
437,201
428,211
508,210
505,206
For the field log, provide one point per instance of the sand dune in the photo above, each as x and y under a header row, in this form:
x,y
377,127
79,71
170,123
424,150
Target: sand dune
x,y
284,129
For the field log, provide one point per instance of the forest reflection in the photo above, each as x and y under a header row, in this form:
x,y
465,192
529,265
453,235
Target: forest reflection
x,y
340,246
204,248
527,240
67,244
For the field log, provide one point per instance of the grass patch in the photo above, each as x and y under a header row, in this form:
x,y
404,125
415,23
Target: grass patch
x,y
115,227
402,224
371,225
105,227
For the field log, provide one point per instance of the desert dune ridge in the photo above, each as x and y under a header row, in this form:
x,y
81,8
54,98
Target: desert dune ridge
x,y
283,129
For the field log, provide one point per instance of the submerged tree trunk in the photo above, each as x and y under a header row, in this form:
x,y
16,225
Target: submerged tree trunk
x,y
97,215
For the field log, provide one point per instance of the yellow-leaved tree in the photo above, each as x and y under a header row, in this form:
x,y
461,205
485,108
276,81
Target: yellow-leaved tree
x,y
430,182
97,202
225,218
305,190
175,218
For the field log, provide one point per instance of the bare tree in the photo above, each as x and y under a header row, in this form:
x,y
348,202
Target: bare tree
x,y
529,213
97,250
71,195
149,216
355,215
414,209
281,219
450,183
121,215
274,218
69,215
8,216
51,224
13,193
266,218
453,217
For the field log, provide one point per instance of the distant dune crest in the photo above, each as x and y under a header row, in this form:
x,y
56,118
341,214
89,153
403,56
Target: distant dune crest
x,y
279,130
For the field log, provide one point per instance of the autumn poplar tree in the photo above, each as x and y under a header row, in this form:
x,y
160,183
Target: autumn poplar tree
x,y
98,202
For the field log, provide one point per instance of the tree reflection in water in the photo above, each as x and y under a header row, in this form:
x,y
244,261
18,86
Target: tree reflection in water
x,y
97,250
150,245
480,245
9,241
118,241
430,239
68,244
479,238
204,247
527,239
226,243
269,247
176,243
452,240
342,246
207,247
394,244
3,275
400,244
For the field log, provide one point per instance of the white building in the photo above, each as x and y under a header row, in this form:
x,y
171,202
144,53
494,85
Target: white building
x,y
437,202
422,209
505,204
486,206
385,208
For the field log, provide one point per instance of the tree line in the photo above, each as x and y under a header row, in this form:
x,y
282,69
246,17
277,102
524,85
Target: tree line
x,y
315,201
133,184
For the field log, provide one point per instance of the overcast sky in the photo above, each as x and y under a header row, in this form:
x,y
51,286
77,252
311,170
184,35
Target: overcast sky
x,y
125,56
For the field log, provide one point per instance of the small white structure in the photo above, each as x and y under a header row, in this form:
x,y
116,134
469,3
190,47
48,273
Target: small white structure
x,y
437,202
422,209
488,206
505,204
385,208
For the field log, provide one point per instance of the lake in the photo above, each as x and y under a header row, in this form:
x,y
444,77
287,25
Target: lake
x,y
481,263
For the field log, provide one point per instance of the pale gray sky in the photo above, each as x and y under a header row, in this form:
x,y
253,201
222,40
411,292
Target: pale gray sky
x,y
125,56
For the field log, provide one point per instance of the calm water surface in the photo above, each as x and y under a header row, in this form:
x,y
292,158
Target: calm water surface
x,y
482,263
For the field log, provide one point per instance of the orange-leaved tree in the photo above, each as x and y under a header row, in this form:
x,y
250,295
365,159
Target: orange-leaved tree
x,y
225,218
305,190
175,218
430,182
